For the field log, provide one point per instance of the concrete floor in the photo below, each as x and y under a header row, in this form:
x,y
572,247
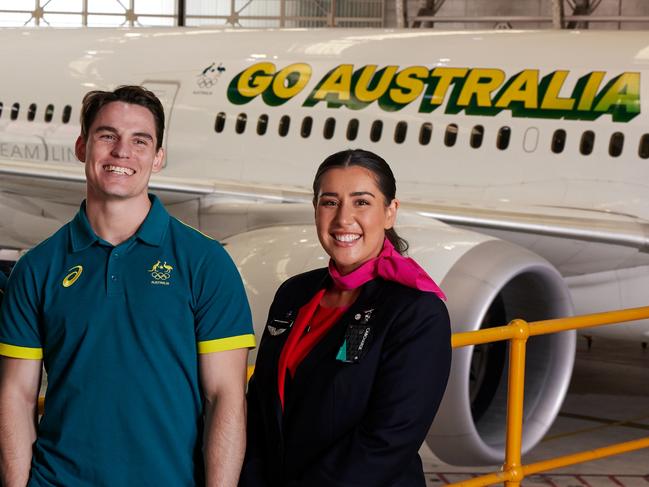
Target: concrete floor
x,y
608,402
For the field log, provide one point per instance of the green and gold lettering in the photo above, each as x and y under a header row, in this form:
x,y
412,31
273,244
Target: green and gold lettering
x,y
250,83
620,97
287,83
551,98
520,91
334,88
371,85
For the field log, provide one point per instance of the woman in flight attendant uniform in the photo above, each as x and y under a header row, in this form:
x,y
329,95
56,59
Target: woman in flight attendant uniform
x,y
355,357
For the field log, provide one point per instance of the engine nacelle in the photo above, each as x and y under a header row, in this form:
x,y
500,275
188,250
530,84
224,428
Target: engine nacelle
x,y
488,282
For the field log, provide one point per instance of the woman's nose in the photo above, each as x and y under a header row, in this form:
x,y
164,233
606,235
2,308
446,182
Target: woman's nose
x,y
345,214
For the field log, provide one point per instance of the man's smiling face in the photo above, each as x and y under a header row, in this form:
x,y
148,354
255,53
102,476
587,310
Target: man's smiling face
x,y
120,152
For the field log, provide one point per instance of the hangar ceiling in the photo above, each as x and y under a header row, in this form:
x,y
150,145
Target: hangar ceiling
x,y
437,14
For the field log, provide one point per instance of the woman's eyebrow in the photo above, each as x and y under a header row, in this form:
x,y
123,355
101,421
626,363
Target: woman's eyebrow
x,y
362,193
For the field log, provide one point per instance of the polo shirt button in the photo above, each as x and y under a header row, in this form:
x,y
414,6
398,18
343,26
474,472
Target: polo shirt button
x,y
113,278
116,255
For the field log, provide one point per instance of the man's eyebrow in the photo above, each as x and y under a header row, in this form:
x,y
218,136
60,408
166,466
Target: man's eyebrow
x,y
108,128
146,135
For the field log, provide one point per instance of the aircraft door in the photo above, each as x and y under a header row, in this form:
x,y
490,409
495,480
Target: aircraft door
x,y
166,91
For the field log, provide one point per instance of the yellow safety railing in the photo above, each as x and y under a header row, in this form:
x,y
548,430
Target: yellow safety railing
x,y
517,332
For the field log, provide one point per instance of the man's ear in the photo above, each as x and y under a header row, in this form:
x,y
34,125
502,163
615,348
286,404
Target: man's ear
x,y
80,148
158,160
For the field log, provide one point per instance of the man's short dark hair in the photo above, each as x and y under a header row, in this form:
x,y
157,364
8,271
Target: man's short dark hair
x,y
136,95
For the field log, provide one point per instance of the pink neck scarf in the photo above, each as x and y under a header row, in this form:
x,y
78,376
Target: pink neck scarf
x,y
391,266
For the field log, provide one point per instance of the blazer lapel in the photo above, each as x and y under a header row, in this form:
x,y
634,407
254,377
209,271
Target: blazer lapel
x,y
322,353
291,304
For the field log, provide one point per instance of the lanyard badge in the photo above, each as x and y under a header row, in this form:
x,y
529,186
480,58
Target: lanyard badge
x,y
357,338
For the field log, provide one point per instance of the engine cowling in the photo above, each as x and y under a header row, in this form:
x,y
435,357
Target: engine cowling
x,y
488,282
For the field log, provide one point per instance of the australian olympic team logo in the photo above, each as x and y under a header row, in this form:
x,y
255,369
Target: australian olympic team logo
x,y
210,76
161,273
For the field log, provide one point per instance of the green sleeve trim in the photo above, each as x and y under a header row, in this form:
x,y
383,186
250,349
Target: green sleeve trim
x,y
14,351
229,343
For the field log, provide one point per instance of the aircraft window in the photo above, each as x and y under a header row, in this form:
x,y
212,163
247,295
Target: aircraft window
x,y
643,150
477,134
376,130
284,125
262,124
504,134
616,145
240,125
352,129
530,139
49,113
425,133
67,112
329,128
558,141
587,142
219,123
400,132
15,108
307,125
31,113
450,137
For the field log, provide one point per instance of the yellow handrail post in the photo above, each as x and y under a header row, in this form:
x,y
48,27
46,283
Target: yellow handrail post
x,y
516,382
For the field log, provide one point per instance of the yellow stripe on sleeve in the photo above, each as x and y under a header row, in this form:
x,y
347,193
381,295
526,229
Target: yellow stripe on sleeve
x,y
14,351
229,343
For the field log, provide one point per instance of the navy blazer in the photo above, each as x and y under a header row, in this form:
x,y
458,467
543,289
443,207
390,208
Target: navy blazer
x,y
361,402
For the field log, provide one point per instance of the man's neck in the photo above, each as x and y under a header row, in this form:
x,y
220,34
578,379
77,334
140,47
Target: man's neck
x,y
116,221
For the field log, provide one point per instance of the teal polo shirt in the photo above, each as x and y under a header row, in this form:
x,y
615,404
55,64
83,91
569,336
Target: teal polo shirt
x,y
3,284
119,329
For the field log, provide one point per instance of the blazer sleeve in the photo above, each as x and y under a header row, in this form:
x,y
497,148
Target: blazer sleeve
x,y
253,472
407,391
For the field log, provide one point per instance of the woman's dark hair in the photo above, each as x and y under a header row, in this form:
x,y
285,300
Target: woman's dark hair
x,y
382,173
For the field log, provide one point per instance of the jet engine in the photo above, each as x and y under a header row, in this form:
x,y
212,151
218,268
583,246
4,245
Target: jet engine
x,y
488,282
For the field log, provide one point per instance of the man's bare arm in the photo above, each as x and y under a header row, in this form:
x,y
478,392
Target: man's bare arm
x,y
223,380
19,385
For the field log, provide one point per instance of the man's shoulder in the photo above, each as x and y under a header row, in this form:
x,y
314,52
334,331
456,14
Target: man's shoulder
x,y
185,231
55,243
195,243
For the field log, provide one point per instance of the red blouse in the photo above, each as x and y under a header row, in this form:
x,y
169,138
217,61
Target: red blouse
x,y
311,324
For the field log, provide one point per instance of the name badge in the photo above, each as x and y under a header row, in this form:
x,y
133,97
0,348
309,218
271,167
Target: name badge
x,y
357,337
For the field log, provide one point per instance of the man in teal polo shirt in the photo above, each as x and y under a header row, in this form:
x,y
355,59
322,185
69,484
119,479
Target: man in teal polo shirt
x,y
141,322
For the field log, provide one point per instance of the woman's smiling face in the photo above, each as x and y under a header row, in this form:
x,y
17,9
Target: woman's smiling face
x,y
351,216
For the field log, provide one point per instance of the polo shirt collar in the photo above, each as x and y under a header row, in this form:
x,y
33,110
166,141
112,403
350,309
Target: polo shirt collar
x,y
154,227
152,230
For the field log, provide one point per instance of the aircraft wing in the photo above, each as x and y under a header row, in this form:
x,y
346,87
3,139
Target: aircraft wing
x,y
567,237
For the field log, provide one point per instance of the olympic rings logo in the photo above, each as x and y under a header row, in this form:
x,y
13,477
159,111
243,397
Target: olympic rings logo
x,y
160,276
205,82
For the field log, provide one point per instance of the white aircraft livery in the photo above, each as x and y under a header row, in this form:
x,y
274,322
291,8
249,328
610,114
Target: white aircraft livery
x,y
521,158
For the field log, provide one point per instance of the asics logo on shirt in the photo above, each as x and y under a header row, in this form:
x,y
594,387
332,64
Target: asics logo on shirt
x,y
73,274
